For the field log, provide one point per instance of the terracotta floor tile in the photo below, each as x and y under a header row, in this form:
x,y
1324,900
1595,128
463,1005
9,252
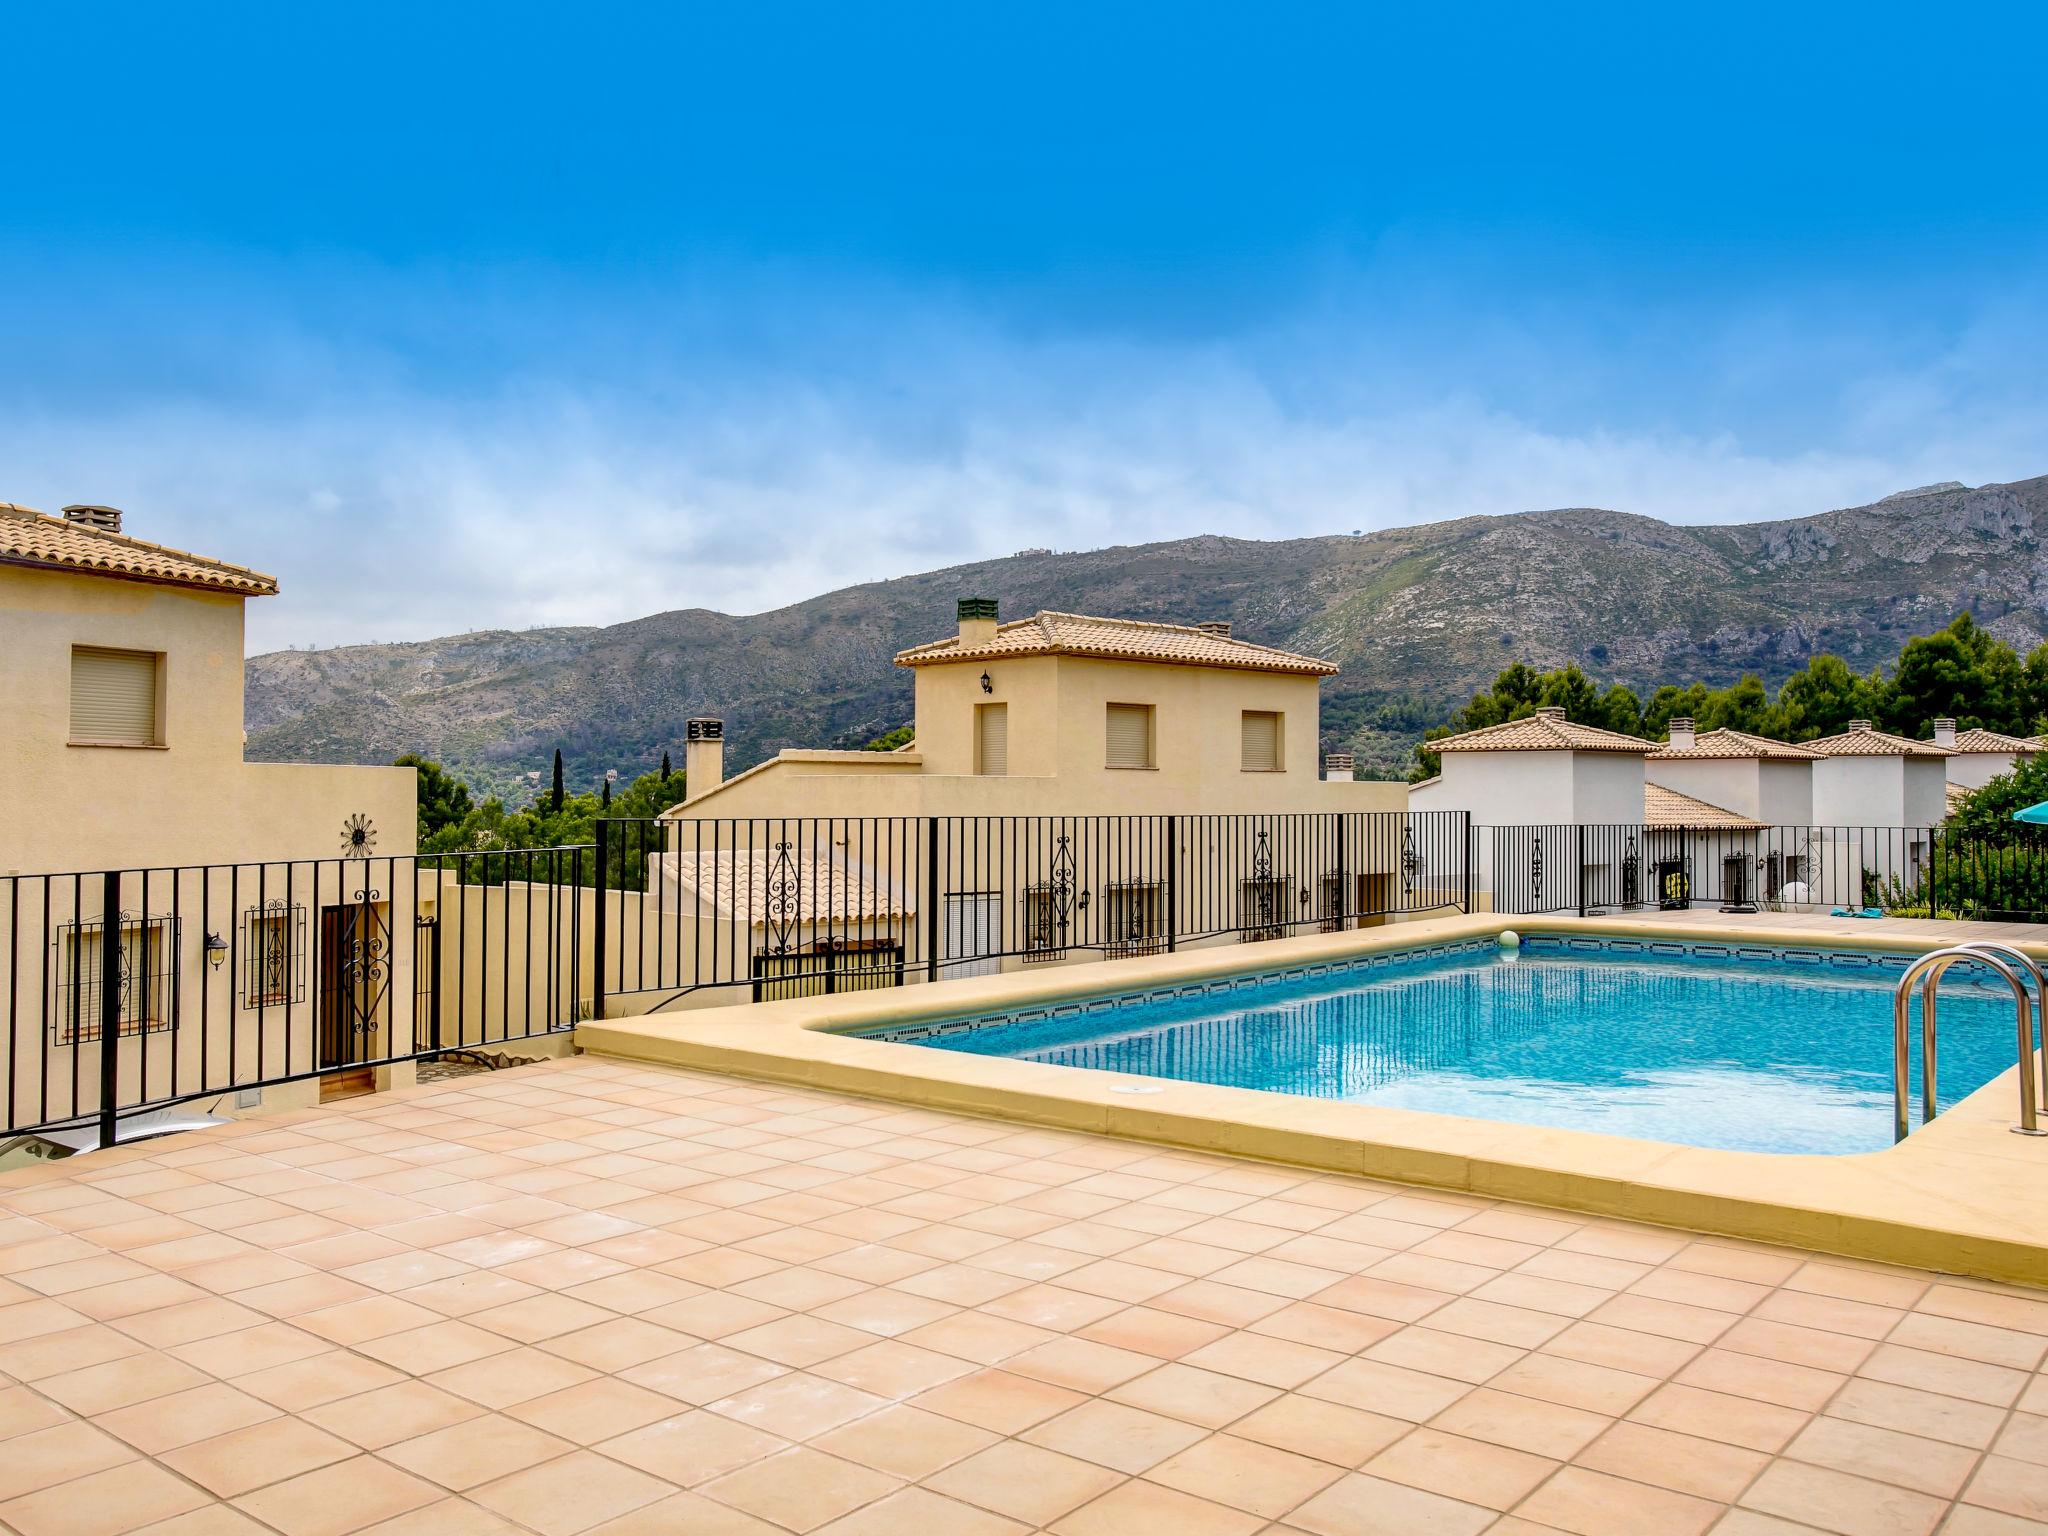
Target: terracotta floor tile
x,y
301,1384
1971,1340
1201,1397
1797,1345
1479,1471
1836,1501
1388,1389
893,1369
1423,1348
1272,1362
1886,1455
475,1451
244,1459
1889,1288
1913,1411
1594,1504
1522,1423
1140,1506
165,1423
102,1388
1555,1379
1621,1349
594,1410
1948,1375
692,1447
797,1405
1024,1482
113,1502
390,1414
1358,1505
251,1349
57,1454
1244,1474
1743,1421
925,1512
801,1488
908,1442
23,1412
514,1376
571,1493
436,1347
1128,1440
1344,1437
339,1499
884,1312
2017,1488
682,1514
702,1373
1707,1469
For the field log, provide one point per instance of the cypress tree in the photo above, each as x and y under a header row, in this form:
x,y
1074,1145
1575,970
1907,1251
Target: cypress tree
x,y
604,797
555,794
664,767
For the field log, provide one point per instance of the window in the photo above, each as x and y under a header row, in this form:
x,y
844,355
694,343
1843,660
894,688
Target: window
x,y
273,955
1130,736
992,739
1045,925
1261,909
147,966
1134,918
114,698
1260,734
1332,907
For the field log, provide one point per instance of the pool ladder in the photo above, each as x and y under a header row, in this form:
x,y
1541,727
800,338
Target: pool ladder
x,y
2011,964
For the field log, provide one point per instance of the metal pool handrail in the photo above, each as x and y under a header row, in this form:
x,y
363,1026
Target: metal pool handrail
x,y
2025,961
1931,967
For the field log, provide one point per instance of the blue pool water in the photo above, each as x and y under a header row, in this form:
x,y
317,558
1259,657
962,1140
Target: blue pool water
x,y
1781,1051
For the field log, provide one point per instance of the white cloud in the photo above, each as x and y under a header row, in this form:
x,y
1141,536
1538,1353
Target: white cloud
x,y
595,481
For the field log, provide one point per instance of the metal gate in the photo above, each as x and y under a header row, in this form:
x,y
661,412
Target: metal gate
x,y
355,981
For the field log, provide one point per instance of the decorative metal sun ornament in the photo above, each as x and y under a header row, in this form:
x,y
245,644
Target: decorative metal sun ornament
x,y
358,837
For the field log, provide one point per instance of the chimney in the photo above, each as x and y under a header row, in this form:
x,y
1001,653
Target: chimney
x,y
1338,767
1220,628
1944,733
1859,725
977,622
703,757
99,519
1550,712
1683,738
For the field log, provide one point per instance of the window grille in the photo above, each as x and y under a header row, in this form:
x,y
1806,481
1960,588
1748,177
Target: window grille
x,y
147,963
273,955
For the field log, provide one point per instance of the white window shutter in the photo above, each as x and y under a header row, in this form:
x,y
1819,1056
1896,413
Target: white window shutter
x,y
1261,741
992,749
113,697
1130,736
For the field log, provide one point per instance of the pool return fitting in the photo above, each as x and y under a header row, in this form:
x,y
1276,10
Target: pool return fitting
x,y
1927,970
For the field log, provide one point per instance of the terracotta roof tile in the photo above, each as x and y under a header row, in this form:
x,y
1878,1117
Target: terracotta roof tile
x,y
28,537
1979,740
1076,634
1957,794
1545,731
1668,808
752,885
1866,741
1726,743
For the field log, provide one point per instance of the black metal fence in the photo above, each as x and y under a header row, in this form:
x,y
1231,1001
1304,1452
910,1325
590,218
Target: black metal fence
x,y
1996,875
221,982
788,906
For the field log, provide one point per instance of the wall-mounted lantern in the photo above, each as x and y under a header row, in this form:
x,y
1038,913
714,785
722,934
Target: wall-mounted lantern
x,y
987,684
216,951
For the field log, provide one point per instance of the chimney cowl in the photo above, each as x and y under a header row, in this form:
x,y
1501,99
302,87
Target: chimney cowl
x,y
1683,736
1217,627
1944,732
704,728
1550,712
977,608
99,519
1859,725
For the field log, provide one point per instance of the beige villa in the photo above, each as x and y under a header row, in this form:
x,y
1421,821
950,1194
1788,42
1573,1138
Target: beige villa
x,y
121,690
1076,786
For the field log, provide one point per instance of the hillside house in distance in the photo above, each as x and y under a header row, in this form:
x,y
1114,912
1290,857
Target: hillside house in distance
x,y
1069,764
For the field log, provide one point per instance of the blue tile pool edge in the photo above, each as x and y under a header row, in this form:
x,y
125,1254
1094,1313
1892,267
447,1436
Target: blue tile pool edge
x,y
1815,956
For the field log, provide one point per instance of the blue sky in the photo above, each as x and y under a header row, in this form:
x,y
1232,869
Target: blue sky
x,y
462,316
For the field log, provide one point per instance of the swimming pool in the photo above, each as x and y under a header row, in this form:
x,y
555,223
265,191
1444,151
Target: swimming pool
x,y
1747,1047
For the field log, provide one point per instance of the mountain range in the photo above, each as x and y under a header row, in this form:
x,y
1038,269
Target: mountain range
x,y
1417,618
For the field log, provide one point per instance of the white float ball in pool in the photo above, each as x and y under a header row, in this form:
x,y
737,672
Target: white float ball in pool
x,y
1509,939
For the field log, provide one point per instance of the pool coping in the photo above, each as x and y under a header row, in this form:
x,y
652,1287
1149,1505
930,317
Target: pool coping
x,y
1962,1195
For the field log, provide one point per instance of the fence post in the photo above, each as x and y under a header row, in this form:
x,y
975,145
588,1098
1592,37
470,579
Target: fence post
x,y
1172,883
1579,856
598,924
1470,843
931,898
1341,917
110,1001
434,961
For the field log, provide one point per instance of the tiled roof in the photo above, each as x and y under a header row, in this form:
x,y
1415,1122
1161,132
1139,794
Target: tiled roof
x,y
811,887
1869,742
27,537
1544,731
1726,743
1957,794
1979,740
1668,808
1076,634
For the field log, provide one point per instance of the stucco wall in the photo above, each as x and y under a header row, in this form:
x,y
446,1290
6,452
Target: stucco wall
x,y
192,800
1973,770
1861,792
1733,783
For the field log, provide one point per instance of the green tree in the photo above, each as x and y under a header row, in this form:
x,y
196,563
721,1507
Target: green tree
x,y
889,741
1993,805
1825,695
443,799
1963,672
664,767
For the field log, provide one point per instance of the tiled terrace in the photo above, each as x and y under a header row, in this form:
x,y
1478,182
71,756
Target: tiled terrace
x,y
592,1296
